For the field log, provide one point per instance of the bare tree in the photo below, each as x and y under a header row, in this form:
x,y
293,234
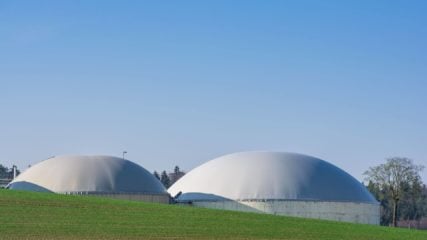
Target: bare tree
x,y
176,174
393,176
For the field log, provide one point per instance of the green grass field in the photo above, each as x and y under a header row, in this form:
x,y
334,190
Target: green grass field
x,y
26,215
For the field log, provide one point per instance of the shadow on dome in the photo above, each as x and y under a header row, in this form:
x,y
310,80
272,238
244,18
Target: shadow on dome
x,y
198,196
207,200
27,186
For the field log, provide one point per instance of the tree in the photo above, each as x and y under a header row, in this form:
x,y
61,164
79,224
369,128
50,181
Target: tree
x,y
383,197
392,177
7,173
169,178
4,171
176,175
413,201
164,178
156,175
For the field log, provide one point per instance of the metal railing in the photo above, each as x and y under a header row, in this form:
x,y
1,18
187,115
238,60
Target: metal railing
x,y
4,182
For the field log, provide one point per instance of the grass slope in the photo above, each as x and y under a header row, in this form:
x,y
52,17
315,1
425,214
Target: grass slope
x,y
26,215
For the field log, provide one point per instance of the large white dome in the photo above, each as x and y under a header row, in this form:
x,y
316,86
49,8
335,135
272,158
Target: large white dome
x,y
104,174
270,176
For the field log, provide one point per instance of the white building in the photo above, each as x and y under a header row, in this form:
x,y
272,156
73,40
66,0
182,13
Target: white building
x,y
92,175
278,183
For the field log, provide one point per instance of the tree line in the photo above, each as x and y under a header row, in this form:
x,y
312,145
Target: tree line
x,y
7,173
398,187
167,179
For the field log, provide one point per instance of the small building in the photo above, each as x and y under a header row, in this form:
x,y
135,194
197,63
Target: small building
x,y
278,183
92,175
4,182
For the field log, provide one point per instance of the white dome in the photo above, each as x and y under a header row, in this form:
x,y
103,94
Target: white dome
x,y
269,175
67,174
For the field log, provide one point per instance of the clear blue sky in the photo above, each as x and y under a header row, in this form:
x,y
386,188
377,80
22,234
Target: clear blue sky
x,y
182,82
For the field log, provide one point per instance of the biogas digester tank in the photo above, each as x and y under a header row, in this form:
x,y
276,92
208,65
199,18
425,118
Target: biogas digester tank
x,y
278,183
92,175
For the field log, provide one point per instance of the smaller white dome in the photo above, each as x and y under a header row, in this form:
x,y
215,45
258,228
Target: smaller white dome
x,y
67,174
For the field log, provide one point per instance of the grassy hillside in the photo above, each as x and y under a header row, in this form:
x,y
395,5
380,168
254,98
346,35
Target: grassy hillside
x,y
25,215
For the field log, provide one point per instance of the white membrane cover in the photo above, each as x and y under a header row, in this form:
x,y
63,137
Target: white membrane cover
x,y
270,175
87,174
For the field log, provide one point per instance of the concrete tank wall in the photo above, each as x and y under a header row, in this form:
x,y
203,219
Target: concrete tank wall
x,y
365,213
143,197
